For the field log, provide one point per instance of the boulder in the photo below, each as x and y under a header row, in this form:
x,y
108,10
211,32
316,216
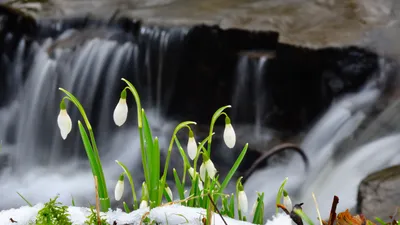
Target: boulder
x,y
379,193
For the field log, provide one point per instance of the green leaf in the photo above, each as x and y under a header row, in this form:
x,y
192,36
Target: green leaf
x,y
303,216
179,185
232,171
26,200
259,212
126,207
280,194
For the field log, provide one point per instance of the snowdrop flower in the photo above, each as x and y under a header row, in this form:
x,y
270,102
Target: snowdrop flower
x,y
191,146
208,166
192,174
119,188
229,133
64,121
242,200
287,202
143,204
121,110
169,192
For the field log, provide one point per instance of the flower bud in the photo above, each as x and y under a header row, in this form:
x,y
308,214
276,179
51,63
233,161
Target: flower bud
x,y
191,146
119,188
121,110
64,121
229,133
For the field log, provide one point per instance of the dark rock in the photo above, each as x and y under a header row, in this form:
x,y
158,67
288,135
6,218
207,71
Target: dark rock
x,y
205,81
379,193
299,83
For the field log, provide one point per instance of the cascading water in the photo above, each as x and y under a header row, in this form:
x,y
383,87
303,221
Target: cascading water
x,y
90,66
42,164
328,177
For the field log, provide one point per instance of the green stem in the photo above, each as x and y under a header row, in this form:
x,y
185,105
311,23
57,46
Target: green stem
x,y
103,194
213,120
164,176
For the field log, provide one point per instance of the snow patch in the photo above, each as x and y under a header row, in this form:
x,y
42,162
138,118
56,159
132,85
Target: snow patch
x,y
170,214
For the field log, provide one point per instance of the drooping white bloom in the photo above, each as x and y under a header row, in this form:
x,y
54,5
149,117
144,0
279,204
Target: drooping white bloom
x,y
208,166
229,134
191,146
169,192
120,112
143,204
119,188
192,174
287,202
64,123
242,201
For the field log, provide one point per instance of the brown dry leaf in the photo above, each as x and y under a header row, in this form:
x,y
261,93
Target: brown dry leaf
x,y
345,218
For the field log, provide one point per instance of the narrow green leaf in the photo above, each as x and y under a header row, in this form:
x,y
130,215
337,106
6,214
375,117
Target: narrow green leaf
x,y
179,185
126,207
280,194
26,200
303,216
259,213
232,171
72,200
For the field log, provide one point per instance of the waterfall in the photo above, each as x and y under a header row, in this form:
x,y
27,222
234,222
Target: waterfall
x,y
42,164
176,79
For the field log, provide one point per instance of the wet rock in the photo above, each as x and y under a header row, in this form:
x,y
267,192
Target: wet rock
x,y
382,121
379,193
205,80
299,83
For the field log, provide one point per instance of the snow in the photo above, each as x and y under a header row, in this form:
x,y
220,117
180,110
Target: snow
x,y
169,214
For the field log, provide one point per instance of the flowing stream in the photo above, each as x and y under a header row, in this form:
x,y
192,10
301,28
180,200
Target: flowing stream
x,y
42,165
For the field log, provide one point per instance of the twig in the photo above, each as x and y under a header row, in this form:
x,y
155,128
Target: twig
x,y
332,216
144,217
316,206
266,155
97,201
215,207
283,208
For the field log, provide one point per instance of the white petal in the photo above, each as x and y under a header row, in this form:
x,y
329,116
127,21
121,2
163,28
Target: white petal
x,y
120,112
287,202
191,172
203,172
243,203
229,136
64,123
143,204
119,190
169,192
200,185
192,148
210,168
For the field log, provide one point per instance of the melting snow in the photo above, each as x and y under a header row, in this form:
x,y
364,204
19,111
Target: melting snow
x,y
171,215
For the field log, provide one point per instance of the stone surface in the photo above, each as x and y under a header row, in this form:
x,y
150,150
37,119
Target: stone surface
x,y
379,193
301,22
